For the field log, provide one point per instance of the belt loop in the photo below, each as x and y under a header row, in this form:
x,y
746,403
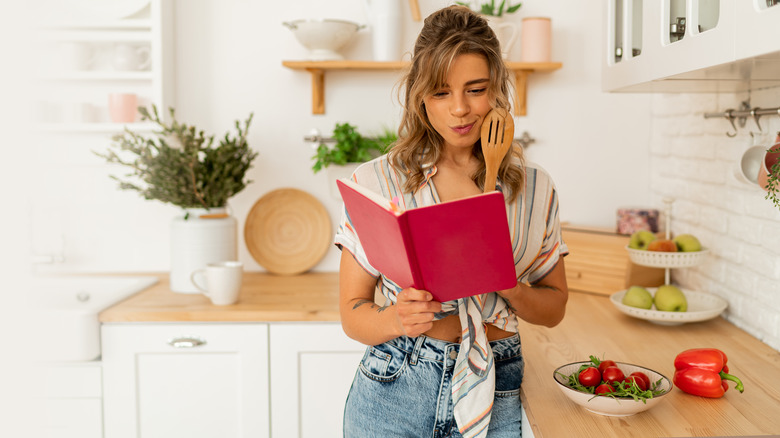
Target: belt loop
x,y
416,350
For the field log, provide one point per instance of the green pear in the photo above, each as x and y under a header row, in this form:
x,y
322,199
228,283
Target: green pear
x,y
637,296
669,298
687,243
640,239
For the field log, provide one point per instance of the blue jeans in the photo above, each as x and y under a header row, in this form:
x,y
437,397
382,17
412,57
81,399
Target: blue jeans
x,y
402,389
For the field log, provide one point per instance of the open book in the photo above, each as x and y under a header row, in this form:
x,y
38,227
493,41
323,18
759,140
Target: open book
x,y
453,249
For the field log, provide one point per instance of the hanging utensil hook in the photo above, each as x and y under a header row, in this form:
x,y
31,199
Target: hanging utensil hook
x,y
756,117
730,118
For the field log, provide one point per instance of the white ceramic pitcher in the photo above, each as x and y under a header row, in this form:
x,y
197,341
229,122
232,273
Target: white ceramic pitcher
x,y
386,31
507,33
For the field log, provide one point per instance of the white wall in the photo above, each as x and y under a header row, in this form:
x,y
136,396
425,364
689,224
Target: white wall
x,y
228,64
693,161
604,151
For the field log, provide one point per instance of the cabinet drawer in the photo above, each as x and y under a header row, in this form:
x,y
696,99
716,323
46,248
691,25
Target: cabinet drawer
x,y
598,262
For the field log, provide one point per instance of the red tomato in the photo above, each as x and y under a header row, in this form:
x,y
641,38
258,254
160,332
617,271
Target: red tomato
x,y
589,376
604,388
640,382
613,374
606,363
642,376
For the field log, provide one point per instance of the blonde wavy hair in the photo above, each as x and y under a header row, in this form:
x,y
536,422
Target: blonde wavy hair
x,y
446,34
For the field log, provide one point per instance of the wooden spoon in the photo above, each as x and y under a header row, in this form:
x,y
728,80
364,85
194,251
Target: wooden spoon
x,y
498,131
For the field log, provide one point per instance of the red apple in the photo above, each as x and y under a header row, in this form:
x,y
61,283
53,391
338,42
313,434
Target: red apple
x,y
663,245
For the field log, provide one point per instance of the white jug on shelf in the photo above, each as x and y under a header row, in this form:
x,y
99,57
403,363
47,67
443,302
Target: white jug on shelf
x,y
386,28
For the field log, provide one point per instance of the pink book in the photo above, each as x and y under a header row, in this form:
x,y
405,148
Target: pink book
x,y
453,249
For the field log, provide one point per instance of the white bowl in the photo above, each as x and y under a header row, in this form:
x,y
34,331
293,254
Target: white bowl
x,y
611,406
323,37
701,307
662,259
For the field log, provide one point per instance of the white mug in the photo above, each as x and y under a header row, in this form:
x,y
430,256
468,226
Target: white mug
x,y
127,57
75,56
223,281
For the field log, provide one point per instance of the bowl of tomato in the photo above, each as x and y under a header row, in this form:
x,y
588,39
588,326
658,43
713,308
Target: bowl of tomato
x,y
606,387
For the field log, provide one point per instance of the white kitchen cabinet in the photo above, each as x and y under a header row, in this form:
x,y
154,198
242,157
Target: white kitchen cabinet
x,y
702,58
185,380
758,27
70,397
312,367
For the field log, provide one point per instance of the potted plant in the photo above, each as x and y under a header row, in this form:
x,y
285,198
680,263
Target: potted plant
x,y
349,151
769,175
182,166
351,147
490,8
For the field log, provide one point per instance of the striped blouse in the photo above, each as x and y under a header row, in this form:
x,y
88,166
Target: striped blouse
x,y
537,246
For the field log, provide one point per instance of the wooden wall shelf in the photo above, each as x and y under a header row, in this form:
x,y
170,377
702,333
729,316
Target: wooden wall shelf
x,y
318,69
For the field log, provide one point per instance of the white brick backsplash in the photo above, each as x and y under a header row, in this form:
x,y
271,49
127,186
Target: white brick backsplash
x,y
713,219
756,205
761,262
767,292
664,105
770,236
714,268
747,229
739,280
694,162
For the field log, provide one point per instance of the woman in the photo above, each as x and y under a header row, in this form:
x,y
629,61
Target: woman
x,y
449,369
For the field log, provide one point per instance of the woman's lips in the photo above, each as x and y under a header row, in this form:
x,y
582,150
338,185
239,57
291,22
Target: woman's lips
x,y
462,129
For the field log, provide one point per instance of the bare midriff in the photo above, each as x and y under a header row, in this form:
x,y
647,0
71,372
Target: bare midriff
x,y
449,329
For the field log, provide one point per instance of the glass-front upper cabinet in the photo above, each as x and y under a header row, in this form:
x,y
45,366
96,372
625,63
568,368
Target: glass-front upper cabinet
x,y
626,29
678,19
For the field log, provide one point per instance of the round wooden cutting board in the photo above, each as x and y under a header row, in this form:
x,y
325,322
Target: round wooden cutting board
x,y
288,231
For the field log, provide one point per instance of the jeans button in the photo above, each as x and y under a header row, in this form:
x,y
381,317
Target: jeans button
x,y
453,354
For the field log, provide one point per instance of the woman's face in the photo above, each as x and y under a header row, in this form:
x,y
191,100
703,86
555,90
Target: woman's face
x,y
457,110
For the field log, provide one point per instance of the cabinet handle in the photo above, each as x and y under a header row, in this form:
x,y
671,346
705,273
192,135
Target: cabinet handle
x,y
186,342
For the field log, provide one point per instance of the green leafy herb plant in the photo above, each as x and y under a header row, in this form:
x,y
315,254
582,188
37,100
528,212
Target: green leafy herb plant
x,y
180,165
773,181
490,7
351,147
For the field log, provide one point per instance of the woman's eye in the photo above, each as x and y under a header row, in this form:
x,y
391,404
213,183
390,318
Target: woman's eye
x,y
440,94
478,90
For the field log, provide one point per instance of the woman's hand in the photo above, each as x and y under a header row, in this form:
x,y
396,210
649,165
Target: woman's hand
x,y
415,310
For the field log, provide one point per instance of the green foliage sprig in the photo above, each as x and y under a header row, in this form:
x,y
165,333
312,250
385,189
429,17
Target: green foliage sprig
x,y
351,147
490,8
773,181
180,165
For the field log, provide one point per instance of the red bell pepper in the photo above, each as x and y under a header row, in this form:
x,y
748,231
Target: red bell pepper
x,y
703,372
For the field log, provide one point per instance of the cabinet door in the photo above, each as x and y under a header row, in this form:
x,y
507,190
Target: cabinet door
x,y
195,380
312,366
758,23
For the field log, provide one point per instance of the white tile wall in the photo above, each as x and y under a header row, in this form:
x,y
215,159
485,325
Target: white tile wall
x,y
693,161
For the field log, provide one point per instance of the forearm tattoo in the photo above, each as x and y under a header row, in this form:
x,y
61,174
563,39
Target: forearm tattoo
x,y
371,304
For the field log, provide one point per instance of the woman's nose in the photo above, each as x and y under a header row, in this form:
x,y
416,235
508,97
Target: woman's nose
x,y
459,107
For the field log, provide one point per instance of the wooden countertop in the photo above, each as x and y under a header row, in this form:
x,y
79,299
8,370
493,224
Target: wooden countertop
x,y
592,326
264,297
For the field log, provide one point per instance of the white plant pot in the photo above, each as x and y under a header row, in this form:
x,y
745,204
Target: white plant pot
x,y
197,241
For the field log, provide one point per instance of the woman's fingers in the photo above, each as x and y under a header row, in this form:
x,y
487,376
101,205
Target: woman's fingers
x,y
415,309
